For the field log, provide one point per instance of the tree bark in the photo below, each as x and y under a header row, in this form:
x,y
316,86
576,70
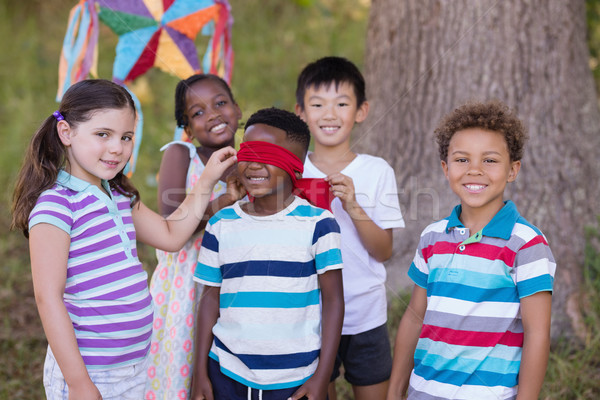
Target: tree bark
x,y
424,58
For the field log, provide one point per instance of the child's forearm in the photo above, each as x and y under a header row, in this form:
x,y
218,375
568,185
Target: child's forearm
x,y
377,241
407,337
332,299
535,313
206,317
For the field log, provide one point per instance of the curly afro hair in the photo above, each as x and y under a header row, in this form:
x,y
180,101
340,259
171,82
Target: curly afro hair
x,y
492,116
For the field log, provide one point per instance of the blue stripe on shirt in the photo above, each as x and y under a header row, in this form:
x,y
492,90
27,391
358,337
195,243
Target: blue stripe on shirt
x,y
269,299
279,361
289,269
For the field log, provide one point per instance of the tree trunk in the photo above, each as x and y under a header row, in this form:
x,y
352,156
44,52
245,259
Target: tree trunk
x,y
424,58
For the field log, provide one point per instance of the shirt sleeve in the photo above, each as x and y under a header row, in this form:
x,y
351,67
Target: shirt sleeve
x,y
208,269
54,209
534,267
387,206
326,244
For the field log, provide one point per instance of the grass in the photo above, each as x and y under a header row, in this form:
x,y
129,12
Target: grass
x,y
272,39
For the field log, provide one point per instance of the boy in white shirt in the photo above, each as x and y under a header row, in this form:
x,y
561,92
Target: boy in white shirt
x,y
330,98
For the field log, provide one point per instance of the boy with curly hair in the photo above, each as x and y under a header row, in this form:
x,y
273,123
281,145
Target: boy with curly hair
x,y
478,322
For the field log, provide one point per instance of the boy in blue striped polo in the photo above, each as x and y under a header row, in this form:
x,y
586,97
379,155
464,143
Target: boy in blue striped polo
x,y
478,322
266,264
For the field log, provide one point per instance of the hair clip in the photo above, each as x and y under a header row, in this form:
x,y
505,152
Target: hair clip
x,y
58,115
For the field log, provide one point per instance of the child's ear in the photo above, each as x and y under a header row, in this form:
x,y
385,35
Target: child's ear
x,y
64,132
362,112
515,167
299,112
445,168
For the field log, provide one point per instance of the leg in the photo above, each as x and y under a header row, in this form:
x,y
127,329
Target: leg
x,y
371,392
368,364
331,393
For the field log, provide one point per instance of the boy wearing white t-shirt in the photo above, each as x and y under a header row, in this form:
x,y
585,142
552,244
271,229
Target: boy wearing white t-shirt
x,y
330,98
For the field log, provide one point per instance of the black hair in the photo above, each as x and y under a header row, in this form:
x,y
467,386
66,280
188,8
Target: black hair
x,y
295,129
181,93
328,70
46,154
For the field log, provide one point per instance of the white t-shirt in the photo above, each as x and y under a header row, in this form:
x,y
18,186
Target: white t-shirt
x,y
364,277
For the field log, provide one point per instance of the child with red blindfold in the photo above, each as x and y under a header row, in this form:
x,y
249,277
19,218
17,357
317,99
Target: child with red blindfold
x,y
271,313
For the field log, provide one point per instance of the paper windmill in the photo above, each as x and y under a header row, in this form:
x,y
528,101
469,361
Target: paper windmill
x,y
159,33
152,33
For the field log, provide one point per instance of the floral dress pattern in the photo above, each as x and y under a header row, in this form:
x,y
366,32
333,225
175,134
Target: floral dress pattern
x,y
175,297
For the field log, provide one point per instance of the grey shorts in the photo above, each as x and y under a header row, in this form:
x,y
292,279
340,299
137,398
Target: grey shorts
x,y
366,356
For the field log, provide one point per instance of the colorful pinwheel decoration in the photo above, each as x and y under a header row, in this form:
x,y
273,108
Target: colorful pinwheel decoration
x,y
152,33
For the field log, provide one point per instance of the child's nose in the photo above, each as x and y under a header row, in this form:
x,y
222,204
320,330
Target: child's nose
x,y
116,146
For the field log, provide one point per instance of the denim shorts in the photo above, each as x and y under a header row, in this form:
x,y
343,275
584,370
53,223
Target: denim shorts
x,y
366,356
126,383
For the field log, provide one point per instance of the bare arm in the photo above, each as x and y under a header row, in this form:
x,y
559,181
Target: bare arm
x,y
407,337
49,250
206,318
332,300
171,233
376,240
535,313
172,177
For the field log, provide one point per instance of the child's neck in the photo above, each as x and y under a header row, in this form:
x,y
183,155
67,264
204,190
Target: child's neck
x,y
476,219
268,205
332,159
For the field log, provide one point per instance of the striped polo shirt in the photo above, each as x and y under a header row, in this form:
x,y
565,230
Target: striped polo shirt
x,y
268,335
106,292
472,336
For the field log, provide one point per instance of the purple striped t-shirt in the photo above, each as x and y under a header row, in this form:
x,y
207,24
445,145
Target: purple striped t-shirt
x,y
106,292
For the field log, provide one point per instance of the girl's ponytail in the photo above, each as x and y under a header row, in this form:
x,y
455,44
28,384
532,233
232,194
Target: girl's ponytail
x,y
44,157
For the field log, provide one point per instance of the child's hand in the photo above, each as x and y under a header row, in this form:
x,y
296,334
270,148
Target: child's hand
x,y
84,390
217,164
201,389
313,389
235,189
342,187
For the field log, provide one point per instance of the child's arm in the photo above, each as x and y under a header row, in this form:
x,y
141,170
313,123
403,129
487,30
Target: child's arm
x,y
407,337
535,314
332,300
376,240
171,233
206,318
172,177
49,250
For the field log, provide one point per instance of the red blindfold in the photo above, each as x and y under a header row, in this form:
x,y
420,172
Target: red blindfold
x,y
315,190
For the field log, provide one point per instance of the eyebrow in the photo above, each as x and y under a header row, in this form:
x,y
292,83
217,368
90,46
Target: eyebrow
x,y
467,153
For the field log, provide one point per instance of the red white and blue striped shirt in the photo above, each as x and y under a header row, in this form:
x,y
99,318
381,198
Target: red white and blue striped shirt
x,y
472,336
106,292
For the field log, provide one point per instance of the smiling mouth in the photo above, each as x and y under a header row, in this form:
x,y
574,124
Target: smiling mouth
x,y
257,178
218,128
330,129
475,188
111,163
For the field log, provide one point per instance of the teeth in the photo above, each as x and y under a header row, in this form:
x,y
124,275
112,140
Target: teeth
x,y
329,128
475,187
257,178
218,127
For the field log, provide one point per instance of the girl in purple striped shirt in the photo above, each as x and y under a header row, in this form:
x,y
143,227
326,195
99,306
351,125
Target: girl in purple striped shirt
x,y
82,217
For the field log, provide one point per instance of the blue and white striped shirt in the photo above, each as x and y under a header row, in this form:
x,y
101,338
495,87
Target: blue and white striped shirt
x,y
268,335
